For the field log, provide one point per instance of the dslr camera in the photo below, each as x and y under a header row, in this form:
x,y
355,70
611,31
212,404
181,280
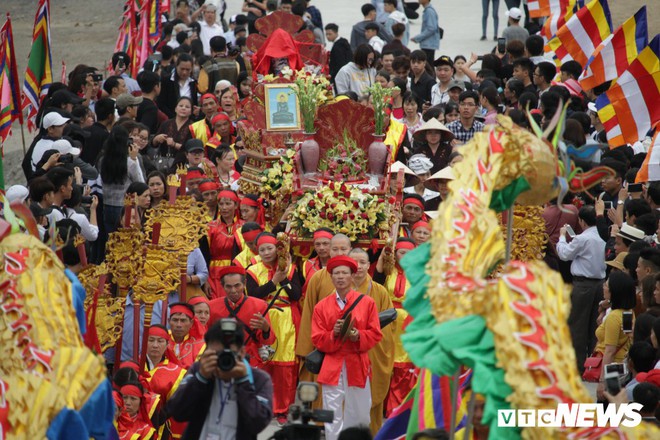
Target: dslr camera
x,y
301,413
227,359
66,158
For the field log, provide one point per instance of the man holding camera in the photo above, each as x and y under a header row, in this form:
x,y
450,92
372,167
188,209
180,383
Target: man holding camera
x,y
248,310
222,397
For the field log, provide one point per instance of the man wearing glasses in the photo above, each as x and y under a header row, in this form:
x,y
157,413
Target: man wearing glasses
x,y
466,126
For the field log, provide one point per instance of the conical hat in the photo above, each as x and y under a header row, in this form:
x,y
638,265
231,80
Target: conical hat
x,y
433,124
398,165
431,214
446,173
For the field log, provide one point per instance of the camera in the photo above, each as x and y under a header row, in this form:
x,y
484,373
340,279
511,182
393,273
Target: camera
x,y
97,77
301,414
86,200
66,158
227,359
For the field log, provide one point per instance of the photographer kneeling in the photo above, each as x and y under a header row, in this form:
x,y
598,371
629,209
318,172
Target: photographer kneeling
x,y
222,396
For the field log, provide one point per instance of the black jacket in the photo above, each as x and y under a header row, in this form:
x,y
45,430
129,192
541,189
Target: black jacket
x,y
147,114
192,400
169,95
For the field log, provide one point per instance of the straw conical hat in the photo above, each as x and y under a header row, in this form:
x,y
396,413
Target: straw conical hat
x,y
433,124
398,165
446,173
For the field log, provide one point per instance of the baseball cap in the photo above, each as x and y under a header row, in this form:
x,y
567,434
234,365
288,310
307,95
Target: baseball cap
x,y
456,83
17,193
514,13
194,145
126,99
64,147
53,119
38,211
444,60
592,107
65,97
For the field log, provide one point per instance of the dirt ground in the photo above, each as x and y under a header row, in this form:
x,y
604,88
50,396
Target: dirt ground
x,y
85,32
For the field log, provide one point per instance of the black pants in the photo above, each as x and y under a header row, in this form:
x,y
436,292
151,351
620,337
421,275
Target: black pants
x,y
582,319
430,55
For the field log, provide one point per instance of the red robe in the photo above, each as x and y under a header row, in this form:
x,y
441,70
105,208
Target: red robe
x,y
244,311
134,428
310,267
187,351
355,354
224,245
164,381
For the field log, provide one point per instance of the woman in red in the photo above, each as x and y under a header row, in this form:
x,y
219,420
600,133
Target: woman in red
x,y
223,133
133,422
264,280
224,240
346,369
252,210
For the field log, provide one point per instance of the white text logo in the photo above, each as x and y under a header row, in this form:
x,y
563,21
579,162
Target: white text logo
x,y
578,415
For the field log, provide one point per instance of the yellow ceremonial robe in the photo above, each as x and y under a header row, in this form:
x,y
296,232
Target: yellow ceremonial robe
x,y
381,356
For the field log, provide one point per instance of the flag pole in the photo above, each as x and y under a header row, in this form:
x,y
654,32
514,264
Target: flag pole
x,y
22,137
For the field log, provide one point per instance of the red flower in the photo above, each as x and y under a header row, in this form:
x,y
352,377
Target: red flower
x,y
333,206
365,191
312,203
340,176
356,204
322,214
331,216
335,194
345,217
320,196
351,216
364,215
392,200
347,194
345,169
380,200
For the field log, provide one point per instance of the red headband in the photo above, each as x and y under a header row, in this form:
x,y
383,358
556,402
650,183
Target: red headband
x,y
208,186
227,194
251,235
195,174
222,116
208,95
266,239
131,364
130,390
180,308
159,332
421,224
405,245
197,300
414,201
250,202
341,260
323,234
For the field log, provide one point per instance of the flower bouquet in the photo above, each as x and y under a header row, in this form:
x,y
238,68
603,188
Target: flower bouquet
x,y
380,98
344,209
277,182
344,162
311,90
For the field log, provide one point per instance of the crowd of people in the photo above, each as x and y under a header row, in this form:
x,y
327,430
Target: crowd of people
x,y
227,361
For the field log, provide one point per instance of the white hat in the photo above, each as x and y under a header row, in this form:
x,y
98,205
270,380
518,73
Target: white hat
x,y
398,165
514,13
592,107
17,193
420,164
53,119
447,173
630,233
64,147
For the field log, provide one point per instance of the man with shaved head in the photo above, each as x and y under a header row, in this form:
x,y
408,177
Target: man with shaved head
x,y
318,287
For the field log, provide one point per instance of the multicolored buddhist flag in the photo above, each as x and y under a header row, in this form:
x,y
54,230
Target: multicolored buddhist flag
x,y
615,54
560,12
10,108
429,405
154,22
538,8
630,107
650,169
583,33
39,73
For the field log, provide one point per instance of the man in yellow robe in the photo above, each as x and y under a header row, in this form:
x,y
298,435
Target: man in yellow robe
x,y
382,355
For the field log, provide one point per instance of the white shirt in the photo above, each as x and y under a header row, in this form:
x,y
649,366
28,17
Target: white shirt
x,y
340,302
587,251
207,32
377,43
438,96
88,230
40,148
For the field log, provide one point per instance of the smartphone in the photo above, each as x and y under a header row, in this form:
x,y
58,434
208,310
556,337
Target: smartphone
x,y
634,187
97,77
627,322
480,58
501,45
608,205
570,231
612,383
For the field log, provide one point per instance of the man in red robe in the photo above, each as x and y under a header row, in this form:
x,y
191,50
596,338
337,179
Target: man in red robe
x,y
247,309
346,369
184,343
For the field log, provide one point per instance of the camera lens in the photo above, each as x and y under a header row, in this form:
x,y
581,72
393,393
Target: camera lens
x,y
226,360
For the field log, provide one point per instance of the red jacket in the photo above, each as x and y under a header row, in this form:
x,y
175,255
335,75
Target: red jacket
x,y
365,315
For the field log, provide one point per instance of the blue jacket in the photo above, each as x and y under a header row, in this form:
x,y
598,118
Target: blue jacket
x,y
429,38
